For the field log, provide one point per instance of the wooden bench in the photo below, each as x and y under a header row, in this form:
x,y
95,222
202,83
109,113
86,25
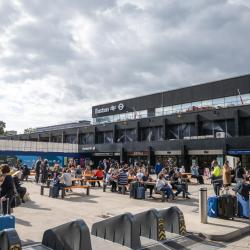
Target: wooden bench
x,y
87,187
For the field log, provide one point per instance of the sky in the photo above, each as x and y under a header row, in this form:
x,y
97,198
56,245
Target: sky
x,y
59,58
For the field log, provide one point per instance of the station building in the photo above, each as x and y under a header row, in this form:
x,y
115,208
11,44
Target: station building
x,y
198,124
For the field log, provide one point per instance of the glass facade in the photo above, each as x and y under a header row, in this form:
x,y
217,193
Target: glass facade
x,y
121,117
224,102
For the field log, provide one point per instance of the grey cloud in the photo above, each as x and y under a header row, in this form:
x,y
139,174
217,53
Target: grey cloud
x,y
136,51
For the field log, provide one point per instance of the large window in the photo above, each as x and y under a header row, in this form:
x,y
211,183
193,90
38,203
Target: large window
x,y
86,138
105,137
151,134
181,131
70,139
126,135
245,126
218,129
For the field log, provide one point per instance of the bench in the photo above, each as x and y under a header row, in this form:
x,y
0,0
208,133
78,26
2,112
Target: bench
x,y
87,187
123,187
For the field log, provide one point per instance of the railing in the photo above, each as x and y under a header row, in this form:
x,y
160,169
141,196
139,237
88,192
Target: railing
x,y
31,146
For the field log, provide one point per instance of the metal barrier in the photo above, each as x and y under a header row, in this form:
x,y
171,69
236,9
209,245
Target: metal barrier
x,y
9,239
150,225
121,229
174,221
70,236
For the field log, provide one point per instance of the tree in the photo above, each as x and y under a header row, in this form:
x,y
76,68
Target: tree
x,y
2,127
29,130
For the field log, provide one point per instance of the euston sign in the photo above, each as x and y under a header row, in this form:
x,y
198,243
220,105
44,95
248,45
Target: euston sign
x,y
112,108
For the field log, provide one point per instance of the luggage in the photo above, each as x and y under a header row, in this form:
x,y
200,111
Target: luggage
x,y
140,193
212,206
243,206
6,221
200,179
227,206
133,187
54,192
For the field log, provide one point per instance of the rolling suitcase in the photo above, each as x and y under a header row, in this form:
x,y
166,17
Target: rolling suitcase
x,y
133,188
227,206
243,206
212,206
6,221
140,193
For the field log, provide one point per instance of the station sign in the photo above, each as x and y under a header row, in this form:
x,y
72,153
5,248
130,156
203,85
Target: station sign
x,y
113,108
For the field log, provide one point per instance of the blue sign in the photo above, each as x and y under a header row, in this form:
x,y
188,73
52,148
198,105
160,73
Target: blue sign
x,y
239,152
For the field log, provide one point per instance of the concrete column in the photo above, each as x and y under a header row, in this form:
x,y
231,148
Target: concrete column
x,y
197,125
77,135
236,123
63,134
137,131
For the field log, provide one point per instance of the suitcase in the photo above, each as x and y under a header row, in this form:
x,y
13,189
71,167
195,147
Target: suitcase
x,y
227,206
243,206
54,192
7,221
133,187
140,193
212,206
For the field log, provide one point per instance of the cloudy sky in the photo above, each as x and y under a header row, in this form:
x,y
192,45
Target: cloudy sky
x,y
60,57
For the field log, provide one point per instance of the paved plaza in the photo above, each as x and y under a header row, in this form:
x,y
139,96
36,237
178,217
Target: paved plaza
x,y
42,212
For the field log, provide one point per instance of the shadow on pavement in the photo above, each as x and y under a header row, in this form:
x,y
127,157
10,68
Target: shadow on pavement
x,y
76,197
23,222
33,205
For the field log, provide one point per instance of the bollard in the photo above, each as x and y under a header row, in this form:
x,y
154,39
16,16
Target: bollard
x,y
203,205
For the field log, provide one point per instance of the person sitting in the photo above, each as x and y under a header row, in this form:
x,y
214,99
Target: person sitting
x,y
99,175
163,185
26,172
65,180
20,190
180,186
147,178
139,174
7,192
78,171
122,179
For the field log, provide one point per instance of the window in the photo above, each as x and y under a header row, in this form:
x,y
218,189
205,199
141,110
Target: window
x,y
86,138
207,103
168,110
126,135
186,107
176,108
159,111
219,103
231,101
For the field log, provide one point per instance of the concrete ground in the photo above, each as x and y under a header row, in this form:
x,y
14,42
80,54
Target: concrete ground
x,y
42,212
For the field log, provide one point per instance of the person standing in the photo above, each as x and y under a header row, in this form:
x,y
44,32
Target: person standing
x,y
226,174
38,169
44,171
